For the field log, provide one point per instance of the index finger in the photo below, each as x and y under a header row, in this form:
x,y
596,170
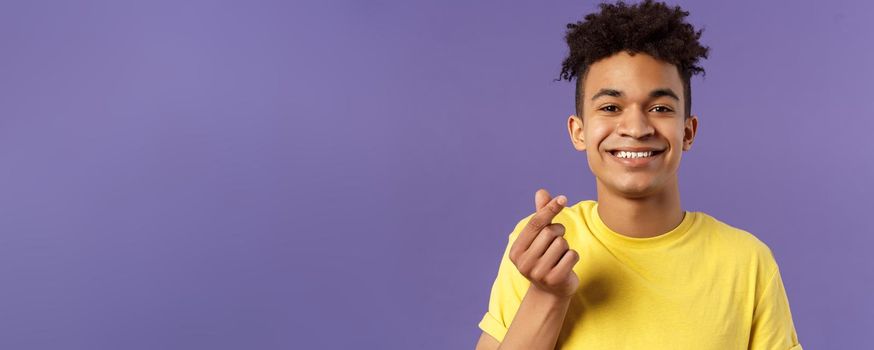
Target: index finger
x,y
541,218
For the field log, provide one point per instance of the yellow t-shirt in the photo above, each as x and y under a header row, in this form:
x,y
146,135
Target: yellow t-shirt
x,y
702,285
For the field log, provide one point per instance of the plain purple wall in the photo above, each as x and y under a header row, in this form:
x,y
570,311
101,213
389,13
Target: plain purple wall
x,y
344,174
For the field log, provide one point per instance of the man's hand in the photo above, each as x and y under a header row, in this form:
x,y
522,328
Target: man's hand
x,y
540,252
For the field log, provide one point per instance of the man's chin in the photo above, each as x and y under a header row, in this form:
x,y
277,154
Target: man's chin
x,y
634,190
636,194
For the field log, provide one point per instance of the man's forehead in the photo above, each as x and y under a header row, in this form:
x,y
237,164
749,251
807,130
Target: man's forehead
x,y
639,74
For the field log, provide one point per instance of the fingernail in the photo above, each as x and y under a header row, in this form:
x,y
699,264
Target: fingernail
x,y
561,200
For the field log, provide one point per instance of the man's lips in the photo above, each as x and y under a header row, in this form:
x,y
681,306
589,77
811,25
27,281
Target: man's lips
x,y
636,149
636,162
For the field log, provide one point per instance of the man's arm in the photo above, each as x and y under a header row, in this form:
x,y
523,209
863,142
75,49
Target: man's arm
x,y
542,256
536,325
487,342
538,321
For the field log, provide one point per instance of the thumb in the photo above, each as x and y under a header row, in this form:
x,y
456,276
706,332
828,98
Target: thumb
x,y
542,198
547,208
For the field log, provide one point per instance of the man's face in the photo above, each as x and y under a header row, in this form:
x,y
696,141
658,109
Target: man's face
x,y
633,104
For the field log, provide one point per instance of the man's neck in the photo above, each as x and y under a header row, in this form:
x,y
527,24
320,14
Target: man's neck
x,y
645,217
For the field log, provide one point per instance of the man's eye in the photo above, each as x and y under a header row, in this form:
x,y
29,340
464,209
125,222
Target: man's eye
x,y
610,108
661,109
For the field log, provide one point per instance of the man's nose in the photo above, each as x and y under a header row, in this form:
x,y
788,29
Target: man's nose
x,y
635,123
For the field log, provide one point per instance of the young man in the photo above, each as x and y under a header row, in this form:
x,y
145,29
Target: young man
x,y
633,270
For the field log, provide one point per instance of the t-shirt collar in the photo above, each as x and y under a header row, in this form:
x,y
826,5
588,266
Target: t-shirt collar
x,y
605,233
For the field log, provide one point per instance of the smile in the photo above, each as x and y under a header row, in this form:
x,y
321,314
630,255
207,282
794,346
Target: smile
x,y
635,159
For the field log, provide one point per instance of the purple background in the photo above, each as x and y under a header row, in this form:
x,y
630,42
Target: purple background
x,y
344,174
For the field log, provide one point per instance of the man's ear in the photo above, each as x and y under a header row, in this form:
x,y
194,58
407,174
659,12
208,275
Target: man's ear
x,y
690,129
575,130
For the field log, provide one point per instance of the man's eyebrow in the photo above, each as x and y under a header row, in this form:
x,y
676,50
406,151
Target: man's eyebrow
x,y
654,94
663,92
607,92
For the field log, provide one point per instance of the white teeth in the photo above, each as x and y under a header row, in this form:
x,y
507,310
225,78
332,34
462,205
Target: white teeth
x,y
624,154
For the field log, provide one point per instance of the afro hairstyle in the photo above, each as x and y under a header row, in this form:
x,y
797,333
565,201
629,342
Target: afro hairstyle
x,y
648,27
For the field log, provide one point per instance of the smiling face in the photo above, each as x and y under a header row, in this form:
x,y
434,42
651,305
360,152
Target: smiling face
x,y
633,126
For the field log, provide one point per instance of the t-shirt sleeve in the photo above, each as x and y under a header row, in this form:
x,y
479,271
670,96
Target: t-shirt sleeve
x,y
772,326
507,292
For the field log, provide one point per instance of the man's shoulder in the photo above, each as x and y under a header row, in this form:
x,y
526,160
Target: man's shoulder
x,y
734,240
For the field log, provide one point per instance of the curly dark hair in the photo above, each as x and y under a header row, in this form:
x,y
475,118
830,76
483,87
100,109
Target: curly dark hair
x,y
648,27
